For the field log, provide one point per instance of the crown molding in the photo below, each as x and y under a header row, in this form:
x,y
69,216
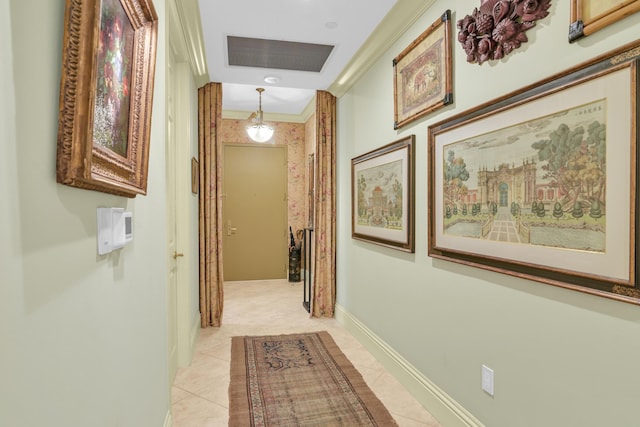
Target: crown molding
x,y
309,110
267,117
187,29
401,16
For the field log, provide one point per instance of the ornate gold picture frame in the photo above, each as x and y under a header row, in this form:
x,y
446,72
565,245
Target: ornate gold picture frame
x,y
195,176
106,94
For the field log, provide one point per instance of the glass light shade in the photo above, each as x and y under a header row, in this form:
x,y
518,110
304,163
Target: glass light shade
x,y
260,132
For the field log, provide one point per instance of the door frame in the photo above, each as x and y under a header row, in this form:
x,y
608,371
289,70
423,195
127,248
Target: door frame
x,y
173,263
186,215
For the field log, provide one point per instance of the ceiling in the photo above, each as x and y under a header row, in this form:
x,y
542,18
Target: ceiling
x,y
344,24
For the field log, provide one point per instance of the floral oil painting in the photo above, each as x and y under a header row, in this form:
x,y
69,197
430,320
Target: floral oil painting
x,y
106,95
111,109
542,182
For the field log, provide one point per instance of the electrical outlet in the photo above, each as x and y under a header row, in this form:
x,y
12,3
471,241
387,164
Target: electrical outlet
x,y
487,379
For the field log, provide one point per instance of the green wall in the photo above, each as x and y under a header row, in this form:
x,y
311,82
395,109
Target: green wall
x,y
83,337
561,357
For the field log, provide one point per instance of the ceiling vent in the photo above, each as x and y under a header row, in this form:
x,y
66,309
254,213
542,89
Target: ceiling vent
x,y
283,55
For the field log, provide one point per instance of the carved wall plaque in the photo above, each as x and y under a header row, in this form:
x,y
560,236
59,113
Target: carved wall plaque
x,y
498,27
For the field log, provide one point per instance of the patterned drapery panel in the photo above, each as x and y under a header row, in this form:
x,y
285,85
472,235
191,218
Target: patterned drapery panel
x,y
324,282
210,204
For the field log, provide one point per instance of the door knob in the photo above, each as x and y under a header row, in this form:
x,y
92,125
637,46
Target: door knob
x,y
177,254
230,230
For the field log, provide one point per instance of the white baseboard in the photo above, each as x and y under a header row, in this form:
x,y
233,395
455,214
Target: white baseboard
x,y
167,420
439,404
193,336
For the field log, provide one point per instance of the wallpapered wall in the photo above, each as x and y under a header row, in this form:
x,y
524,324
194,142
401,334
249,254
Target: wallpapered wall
x,y
310,136
293,136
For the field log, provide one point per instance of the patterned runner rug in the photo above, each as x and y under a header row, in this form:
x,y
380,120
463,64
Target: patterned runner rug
x,y
298,380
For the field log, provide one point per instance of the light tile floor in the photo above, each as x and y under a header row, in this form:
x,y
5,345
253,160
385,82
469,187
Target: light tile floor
x,y
200,391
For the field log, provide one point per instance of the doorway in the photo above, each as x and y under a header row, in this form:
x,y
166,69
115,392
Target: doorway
x,y
254,212
504,194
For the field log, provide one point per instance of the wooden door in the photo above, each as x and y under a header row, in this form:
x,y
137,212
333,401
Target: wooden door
x,y
254,210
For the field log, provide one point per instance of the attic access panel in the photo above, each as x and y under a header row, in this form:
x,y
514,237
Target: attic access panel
x,y
278,54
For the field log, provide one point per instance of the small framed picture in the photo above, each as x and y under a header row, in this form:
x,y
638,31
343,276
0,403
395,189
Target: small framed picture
x,y
195,176
422,80
382,194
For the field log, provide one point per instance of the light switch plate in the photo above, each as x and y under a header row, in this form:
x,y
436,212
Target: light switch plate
x,y
487,379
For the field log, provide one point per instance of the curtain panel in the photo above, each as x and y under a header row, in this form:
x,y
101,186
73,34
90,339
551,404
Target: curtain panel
x,y
324,282
210,204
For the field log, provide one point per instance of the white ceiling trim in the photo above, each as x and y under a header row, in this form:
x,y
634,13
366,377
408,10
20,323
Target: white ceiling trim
x,y
188,14
402,15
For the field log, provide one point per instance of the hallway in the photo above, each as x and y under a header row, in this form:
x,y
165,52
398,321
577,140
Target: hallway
x,y
199,393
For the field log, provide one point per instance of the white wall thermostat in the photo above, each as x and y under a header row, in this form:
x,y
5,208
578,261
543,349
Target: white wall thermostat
x,y
115,229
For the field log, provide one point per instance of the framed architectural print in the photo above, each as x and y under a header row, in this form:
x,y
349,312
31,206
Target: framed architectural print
x,y
542,183
422,79
106,93
589,16
382,195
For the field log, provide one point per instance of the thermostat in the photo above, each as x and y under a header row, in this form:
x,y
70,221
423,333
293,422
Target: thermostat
x,y
115,229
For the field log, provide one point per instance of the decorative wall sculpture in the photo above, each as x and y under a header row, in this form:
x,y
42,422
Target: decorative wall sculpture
x,y
498,27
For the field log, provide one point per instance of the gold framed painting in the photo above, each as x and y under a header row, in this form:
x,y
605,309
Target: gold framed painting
x,y
589,16
542,183
195,175
106,94
422,80
383,195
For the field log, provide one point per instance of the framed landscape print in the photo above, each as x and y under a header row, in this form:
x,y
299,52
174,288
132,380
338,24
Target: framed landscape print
x,y
589,16
542,183
382,195
106,93
422,79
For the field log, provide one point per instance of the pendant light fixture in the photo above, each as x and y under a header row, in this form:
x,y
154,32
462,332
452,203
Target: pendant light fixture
x,y
258,131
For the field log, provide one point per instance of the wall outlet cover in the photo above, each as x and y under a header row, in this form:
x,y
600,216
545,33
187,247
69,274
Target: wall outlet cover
x,y
487,379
